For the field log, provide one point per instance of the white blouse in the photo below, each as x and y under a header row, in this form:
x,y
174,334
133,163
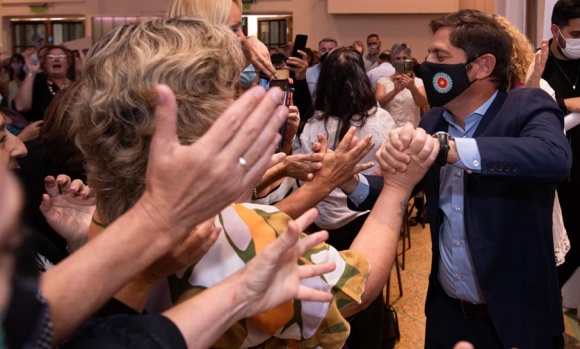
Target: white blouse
x,y
333,210
402,107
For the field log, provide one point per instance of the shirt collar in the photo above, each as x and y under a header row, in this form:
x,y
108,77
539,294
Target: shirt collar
x,y
471,121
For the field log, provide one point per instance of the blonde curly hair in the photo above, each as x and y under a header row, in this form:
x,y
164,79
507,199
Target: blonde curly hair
x,y
114,118
522,52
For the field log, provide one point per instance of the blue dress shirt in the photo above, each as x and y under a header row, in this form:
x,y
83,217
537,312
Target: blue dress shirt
x,y
456,272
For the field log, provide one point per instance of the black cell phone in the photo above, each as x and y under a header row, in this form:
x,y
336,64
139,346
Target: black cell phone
x,y
299,44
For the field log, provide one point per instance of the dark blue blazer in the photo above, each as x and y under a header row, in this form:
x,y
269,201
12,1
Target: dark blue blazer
x,y
508,213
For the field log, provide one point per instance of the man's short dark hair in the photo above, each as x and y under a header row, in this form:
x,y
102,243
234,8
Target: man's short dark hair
x,y
372,36
564,11
477,34
385,56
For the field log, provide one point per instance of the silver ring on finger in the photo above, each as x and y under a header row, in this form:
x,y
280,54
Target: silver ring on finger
x,y
242,162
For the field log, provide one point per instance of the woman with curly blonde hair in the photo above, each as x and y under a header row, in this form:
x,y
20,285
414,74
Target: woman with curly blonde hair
x,y
201,63
523,55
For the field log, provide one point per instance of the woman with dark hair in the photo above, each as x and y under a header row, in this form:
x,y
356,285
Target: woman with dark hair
x,y
345,98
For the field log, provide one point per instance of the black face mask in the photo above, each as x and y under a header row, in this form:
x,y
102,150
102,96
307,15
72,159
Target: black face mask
x,y
443,82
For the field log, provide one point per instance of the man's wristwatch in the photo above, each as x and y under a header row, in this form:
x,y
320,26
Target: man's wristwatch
x,y
443,138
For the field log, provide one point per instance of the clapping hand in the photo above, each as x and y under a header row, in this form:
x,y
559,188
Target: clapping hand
x,y
68,208
273,276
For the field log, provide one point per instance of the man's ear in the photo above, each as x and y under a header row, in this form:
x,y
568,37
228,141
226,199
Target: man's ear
x,y
555,31
484,66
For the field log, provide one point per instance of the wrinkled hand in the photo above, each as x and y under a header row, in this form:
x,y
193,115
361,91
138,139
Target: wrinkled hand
x,y
31,131
247,130
259,56
302,166
298,65
341,165
406,155
33,67
536,68
187,252
273,276
68,208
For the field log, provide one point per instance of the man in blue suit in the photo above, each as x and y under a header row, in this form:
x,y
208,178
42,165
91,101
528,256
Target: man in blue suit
x,y
490,196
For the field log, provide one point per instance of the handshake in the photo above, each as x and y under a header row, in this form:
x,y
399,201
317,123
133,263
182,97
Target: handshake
x,y
406,155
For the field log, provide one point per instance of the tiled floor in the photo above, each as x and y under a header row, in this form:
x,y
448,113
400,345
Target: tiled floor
x,y
414,279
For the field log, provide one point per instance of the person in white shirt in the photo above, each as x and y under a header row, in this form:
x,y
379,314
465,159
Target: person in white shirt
x,y
385,69
325,45
402,93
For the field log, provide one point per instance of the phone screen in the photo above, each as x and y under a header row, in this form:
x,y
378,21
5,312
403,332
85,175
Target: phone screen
x,y
299,44
264,81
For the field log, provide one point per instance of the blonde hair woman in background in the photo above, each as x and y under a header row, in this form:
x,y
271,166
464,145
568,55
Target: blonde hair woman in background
x,y
228,12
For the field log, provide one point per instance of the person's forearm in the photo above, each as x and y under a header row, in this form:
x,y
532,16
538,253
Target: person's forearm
x,y
419,98
136,293
221,306
23,99
304,198
387,98
82,283
288,146
272,175
377,242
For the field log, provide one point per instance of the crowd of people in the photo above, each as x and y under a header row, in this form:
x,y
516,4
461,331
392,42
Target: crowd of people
x,y
155,194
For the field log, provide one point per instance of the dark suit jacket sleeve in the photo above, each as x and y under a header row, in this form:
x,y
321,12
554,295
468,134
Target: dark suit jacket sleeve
x,y
537,153
375,187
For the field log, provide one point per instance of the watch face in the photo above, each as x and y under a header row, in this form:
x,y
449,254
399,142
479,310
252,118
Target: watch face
x,y
443,137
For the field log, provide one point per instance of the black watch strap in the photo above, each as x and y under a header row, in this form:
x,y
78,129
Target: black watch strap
x,y
443,138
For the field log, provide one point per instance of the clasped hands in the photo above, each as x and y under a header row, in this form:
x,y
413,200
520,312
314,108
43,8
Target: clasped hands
x,y
405,156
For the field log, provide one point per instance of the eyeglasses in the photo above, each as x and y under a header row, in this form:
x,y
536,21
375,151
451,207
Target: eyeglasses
x,y
53,57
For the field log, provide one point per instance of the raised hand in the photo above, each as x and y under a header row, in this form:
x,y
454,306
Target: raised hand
x,y
273,276
341,165
259,55
298,65
391,156
421,149
33,66
68,208
302,166
31,131
292,125
232,155
536,68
